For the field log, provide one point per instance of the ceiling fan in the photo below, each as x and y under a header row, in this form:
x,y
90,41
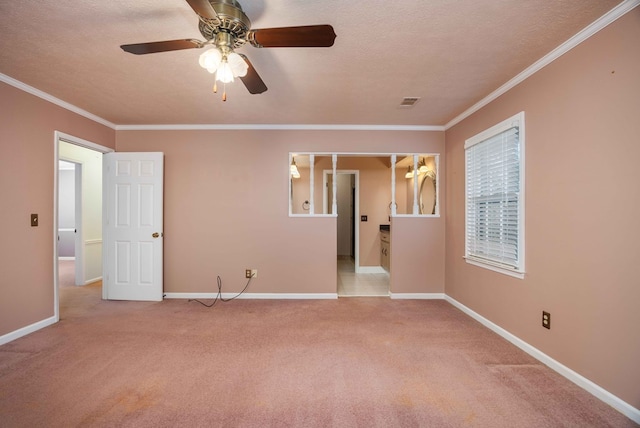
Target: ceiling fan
x,y
226,27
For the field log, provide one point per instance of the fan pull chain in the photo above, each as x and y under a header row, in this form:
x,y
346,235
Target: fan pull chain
x,y
224,89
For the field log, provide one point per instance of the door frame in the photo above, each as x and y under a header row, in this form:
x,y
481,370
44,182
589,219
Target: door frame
x,y
356,205
57,138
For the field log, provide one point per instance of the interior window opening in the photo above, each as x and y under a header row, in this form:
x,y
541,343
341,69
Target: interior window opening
x,y
405,184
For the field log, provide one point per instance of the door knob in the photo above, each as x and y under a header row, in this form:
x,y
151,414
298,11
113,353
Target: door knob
x,y
155,235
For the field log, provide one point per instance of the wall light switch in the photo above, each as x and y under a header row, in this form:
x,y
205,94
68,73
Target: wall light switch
x,y
363,218
34,220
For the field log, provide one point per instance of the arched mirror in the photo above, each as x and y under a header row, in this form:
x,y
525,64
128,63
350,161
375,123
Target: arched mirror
x,y
427,195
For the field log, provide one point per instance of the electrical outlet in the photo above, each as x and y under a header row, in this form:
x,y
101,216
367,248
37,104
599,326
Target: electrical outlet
x,y
251,273
546,320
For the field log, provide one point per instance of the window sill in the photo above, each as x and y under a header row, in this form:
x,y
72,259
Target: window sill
x,y
494,267
417,215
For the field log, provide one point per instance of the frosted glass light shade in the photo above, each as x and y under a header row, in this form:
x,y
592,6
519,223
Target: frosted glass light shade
x,y
227,67
210,60
409,173
294,170
237,64
224,73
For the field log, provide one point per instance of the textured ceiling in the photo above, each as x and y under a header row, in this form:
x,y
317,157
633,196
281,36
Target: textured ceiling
x,y
450,53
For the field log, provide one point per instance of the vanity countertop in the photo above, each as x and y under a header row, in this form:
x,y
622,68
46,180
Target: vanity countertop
x,y
385,228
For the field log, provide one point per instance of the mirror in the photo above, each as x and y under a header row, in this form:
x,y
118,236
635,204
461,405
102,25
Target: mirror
x,y
416,191
428,194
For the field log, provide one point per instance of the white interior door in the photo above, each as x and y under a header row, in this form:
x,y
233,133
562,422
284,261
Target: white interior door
x,y
133,226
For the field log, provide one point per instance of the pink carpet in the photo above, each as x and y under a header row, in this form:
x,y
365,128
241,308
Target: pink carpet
x,y
354,362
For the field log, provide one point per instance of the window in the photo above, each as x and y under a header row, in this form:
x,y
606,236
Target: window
x,y
494,218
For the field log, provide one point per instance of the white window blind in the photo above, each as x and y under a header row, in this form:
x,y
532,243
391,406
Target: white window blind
x,y
494,185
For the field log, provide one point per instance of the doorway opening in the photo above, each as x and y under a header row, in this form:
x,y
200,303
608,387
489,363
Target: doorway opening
x,y
352,278
77,214
70,272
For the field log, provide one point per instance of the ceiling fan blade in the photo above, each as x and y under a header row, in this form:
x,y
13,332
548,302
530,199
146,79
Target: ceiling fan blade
x,y
309,36
252,79
168,45
203,8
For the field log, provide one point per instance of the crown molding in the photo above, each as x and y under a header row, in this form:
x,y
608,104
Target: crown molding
x,y
47,97
277,127
593,28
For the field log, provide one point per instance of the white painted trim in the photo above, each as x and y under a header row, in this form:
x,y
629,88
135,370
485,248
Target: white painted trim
x,y
370,269
65,105
92,241
348,296
602,394
66,258
574,41
257,296
417,296
92,280
494,267
82,143
27,330
313,215
417,215
79,248
278,127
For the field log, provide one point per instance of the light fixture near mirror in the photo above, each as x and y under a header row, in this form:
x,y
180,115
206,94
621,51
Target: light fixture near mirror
x,y
410,173
293,169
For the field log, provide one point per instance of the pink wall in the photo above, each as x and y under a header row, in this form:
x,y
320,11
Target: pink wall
x,y
582,211
226,206
417,254
27,126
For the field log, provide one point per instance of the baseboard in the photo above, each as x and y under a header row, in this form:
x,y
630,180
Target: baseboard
x,y
263,296
27,330
417,296
67,258
602,394
370,269
91,281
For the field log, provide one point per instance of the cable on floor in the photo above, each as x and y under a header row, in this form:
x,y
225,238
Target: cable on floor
x,y
219,295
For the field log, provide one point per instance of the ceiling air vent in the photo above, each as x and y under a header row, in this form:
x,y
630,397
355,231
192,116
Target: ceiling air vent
x,y
409,102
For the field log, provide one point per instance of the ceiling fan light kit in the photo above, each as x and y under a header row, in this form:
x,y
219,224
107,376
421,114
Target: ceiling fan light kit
x,y
226,27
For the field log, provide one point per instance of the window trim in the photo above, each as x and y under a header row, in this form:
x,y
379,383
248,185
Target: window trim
x,y
517,271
